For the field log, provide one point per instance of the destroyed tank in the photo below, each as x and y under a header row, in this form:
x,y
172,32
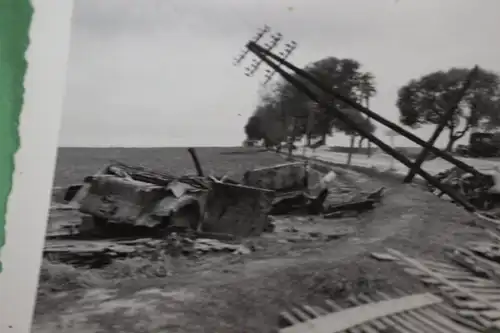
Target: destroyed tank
x,y
124,196
125,200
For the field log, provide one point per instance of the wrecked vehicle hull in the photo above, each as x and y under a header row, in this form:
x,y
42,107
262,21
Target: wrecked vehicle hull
x,y
127,201
120,199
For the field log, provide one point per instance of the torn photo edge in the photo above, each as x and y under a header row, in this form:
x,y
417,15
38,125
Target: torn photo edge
x,y
49,23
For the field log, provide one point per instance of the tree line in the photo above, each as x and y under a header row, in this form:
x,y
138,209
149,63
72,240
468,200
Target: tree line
x,y
284,113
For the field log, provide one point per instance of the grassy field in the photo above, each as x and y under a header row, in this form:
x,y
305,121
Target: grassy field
x,y
75,163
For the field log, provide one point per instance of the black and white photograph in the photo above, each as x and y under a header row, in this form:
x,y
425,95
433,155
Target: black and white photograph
x,y
276,166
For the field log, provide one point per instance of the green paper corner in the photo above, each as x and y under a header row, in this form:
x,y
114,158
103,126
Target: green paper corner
x,y
15,20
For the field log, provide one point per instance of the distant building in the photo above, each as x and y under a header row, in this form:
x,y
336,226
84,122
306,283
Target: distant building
x,y
250,143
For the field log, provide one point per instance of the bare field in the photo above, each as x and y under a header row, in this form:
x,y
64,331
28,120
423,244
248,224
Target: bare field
x,y
231,293
75,163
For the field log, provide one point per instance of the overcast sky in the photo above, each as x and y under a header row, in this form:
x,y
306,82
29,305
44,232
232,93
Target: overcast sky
x,y
160,73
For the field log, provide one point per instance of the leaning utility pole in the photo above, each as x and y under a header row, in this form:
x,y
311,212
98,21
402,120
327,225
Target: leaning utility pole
x,y
289,48
274,41
254,47
350,123
256,38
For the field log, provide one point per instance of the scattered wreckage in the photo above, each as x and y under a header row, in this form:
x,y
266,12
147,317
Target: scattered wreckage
x,y
123,198
122,201
481,190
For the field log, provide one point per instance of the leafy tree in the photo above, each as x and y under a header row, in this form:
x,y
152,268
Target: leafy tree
x,y
284,110
425,100
267,124
253,128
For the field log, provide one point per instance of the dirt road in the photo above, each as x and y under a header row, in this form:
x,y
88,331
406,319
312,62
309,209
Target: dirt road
x,y
383,162
246,293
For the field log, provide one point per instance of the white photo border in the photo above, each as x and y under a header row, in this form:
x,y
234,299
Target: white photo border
x,y
29,200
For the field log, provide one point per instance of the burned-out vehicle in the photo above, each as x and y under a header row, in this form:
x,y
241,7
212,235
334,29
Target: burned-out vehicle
x,y
481,144
482,190
122,195
123,198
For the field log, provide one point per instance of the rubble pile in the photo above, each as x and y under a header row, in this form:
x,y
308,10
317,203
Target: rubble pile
x,y
99,253
326,204
162,214
480,191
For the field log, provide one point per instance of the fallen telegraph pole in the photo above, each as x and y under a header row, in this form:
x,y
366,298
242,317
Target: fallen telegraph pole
x,y
256,48
442,123
264,54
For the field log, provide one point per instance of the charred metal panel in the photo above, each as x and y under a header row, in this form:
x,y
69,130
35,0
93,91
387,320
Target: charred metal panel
x,y
120,199
281,178
237,210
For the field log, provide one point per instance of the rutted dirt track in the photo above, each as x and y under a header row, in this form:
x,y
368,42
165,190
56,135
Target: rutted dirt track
x,y
246,293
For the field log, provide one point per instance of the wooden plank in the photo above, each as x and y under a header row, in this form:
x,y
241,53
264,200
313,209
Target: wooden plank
x,y
430,316
439,265
314,311
471,305
431,281
491,314
457,275
337,307
449,312
472,263
349,318
483,283
370,327
485,263
393,322
334,305
493,235
301,315
288,319
402,325
458,271
446,311
414,272
493,297
432,319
